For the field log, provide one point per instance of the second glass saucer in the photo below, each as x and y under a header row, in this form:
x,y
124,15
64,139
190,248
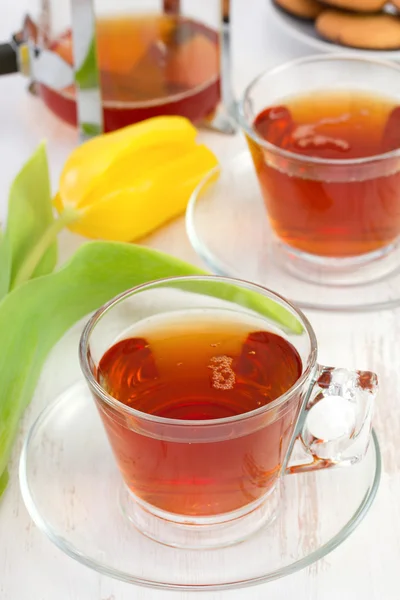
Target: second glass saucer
x,y
72,490
228,227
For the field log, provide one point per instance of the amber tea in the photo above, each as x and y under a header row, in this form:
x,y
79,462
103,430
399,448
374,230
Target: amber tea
x,y
330,216
201,366
149,65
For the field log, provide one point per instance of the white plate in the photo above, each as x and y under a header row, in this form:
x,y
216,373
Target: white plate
x,y
305,32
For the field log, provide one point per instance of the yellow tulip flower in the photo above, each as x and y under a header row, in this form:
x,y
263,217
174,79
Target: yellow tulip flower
x,y
125,184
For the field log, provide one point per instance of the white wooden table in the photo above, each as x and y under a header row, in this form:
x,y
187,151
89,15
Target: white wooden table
x,y
367,565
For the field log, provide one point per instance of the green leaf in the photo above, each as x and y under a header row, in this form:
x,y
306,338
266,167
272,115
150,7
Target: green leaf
x,y
30,214
5,264
4,477
35,315
48,238
91,129
87,76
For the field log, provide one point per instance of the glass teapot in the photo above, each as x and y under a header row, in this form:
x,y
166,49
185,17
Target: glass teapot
x,y
102,65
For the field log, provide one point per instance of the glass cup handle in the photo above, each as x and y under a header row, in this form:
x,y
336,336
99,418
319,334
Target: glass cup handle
x,y
334,428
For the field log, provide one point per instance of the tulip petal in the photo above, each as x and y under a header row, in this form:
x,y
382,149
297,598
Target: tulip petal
x,y
129,213
132,168
88,162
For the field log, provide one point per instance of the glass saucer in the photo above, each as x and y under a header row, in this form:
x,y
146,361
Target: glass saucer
x,y
71,488
227,225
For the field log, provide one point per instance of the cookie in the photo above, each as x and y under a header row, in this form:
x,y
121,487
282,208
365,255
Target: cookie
x,y
368,32
358,5
303,9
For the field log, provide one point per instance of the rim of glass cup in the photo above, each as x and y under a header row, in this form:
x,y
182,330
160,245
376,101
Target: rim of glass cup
x,y
84,352
314,58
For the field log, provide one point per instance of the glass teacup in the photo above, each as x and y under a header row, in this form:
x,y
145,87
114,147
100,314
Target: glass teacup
x,y
323,132
209,389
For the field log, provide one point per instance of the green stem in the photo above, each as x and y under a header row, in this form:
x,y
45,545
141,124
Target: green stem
x,y
4,477
29,265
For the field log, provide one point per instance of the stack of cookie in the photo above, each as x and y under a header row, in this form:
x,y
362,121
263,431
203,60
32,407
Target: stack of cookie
x,y
364,24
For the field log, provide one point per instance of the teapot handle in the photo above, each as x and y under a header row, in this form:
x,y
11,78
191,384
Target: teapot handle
x,y
8,58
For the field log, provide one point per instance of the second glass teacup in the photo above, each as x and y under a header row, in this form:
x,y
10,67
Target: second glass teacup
x,y
204,385
324,134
